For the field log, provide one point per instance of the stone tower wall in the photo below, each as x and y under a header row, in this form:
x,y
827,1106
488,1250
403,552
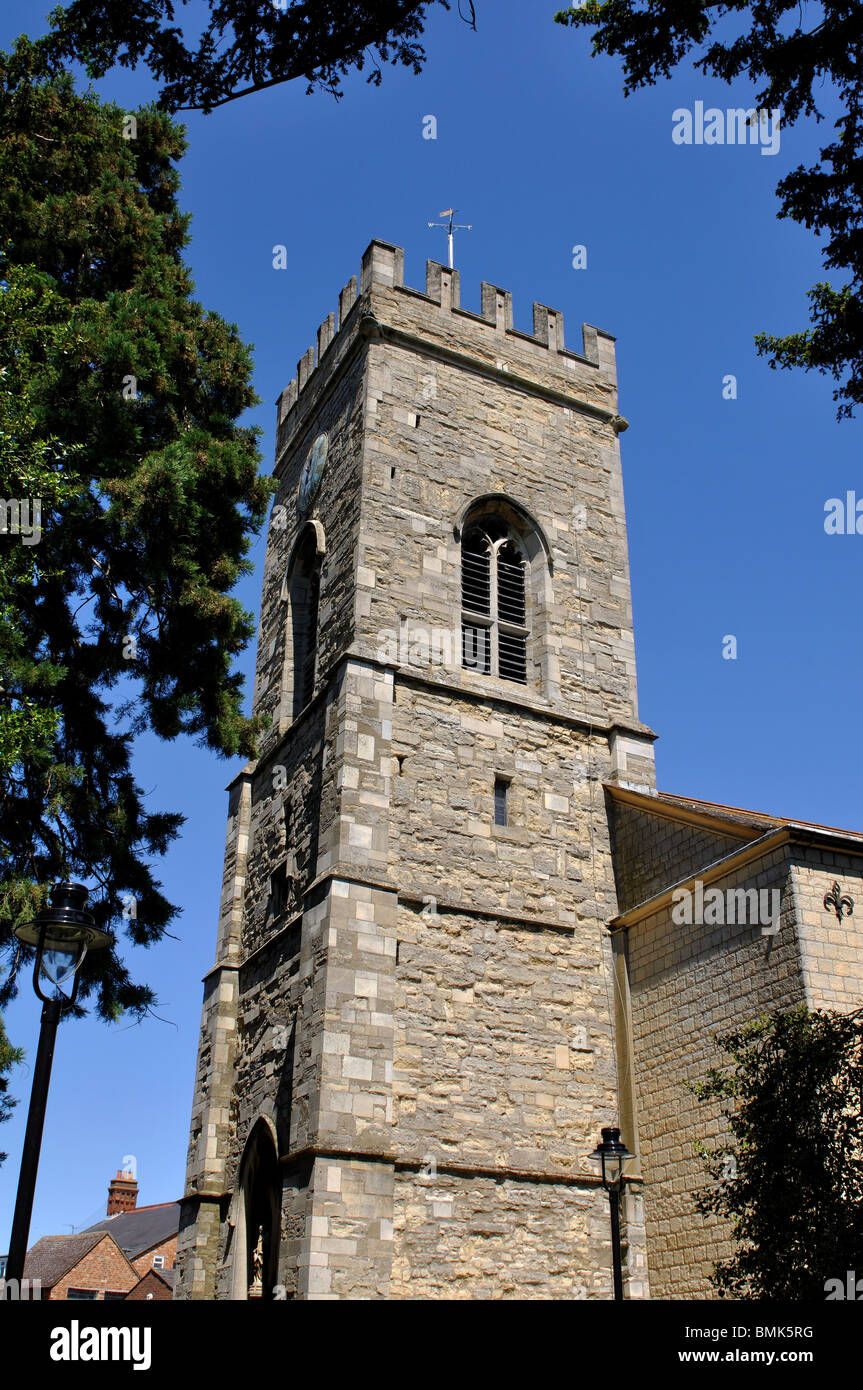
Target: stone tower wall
x,y
434,985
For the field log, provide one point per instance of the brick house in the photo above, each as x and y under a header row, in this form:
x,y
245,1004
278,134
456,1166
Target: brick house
x,y
156,1285
147,1235
89,1265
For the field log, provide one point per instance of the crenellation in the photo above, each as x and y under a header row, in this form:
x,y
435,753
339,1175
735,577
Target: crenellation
x,y
599,347
383,264
326,333
443,285
383,272
548,327
496,306
347,299
287,401
305,367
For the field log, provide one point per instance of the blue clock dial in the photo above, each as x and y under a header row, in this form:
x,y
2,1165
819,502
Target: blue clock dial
x,y
313,469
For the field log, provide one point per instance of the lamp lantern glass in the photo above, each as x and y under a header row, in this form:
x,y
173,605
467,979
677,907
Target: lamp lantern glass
x,y
62,933
612,1153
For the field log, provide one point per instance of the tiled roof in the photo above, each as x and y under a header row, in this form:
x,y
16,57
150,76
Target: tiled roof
x,y
53,1256
757,817
141,1229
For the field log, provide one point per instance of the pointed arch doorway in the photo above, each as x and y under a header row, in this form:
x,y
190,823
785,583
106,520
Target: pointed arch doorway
x,y
258,1217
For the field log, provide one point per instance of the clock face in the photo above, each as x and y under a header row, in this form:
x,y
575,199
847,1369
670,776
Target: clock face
x,y
313,469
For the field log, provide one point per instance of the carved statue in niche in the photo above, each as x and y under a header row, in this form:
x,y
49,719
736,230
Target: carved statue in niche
x,y
256,1287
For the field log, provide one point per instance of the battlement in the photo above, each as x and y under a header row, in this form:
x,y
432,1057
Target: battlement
x,y
383,266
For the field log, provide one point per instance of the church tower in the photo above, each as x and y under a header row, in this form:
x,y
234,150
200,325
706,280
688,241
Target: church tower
x,y
412,1028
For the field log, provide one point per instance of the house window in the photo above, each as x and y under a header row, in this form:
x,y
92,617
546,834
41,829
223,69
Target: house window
x,y
493,600
158,1261
81,1294
501,801
115,1297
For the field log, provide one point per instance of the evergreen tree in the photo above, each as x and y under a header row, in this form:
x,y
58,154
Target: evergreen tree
x,y
793,1190
245,46
9,1056
119,402
795,50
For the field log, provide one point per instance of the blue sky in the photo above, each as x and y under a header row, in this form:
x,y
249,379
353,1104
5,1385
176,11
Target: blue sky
x,y
686,261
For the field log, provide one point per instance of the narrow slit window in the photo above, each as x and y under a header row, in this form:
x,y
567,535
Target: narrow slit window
x,y
304,591
280,891
307,669
501,801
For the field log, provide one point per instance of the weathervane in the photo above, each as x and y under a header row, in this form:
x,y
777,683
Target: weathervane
x,y
451,227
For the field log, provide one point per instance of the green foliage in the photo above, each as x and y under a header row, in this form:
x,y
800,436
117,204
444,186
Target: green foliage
x,y
120,618
793,1098
245,46
9,1057
793,50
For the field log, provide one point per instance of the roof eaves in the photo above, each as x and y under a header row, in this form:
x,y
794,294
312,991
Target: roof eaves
x,y
736,859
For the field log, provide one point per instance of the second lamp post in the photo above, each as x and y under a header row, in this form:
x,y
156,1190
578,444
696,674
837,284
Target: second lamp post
x,y
612,1153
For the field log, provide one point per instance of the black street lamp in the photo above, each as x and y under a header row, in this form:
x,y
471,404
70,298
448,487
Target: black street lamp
x,y
612,1153
62,934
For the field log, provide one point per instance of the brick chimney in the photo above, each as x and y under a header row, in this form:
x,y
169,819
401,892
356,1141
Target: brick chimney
x,y
122,1194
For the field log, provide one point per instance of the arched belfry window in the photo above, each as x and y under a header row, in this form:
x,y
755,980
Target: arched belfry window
x,y
494,620
304,591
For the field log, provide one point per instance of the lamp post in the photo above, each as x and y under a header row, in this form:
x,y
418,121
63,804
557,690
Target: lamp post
x,y
612,1153
62,934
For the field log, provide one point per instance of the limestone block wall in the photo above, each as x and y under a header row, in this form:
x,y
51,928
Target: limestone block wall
x,y
292,804
689,984
552,858
494,1238
831,950
202,1210
337,1207
504,1052
351,1230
